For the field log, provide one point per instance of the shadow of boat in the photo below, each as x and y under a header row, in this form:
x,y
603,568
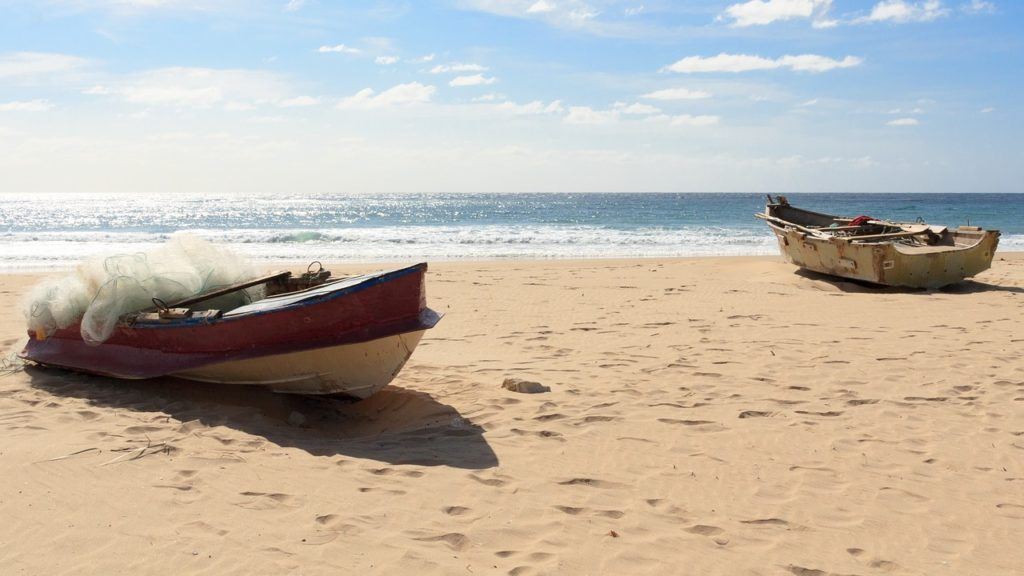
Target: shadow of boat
x,y
975,287
855,286
397,425
860,286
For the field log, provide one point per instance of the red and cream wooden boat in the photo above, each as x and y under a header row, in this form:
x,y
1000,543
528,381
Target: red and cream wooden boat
x,y
348,336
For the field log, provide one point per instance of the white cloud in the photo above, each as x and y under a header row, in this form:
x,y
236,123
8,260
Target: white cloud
x,y
457,67
236,89
386,60
294,5
634,10
808,103
473,80
581,15
903,11
299,102
572,14
535,107
903,122
29,66
761,12
587,115
339,48
540,7
816,63
424,59
489,97
677,94
26,106
979,7
687,120
917,110
746,63
637,108
988,110
399,95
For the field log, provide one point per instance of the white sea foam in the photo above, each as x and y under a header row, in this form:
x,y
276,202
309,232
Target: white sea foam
x,y
61,249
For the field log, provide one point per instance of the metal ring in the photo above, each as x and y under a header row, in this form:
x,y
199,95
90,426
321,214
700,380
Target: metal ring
x,y
319,269
160,305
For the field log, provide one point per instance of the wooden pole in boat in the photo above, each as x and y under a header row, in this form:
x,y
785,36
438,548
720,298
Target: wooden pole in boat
x,y
229,289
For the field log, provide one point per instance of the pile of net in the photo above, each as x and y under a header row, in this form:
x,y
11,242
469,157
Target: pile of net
x,y
104,289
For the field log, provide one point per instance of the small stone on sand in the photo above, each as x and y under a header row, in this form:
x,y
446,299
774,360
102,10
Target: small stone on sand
x,y
524,386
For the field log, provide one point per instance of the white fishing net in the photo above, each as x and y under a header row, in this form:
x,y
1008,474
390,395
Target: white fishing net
x,y
104,289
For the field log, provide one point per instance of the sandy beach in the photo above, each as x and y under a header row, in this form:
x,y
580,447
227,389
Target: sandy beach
x,y
706,416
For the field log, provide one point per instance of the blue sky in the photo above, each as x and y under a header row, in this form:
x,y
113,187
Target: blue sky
x,y
503,96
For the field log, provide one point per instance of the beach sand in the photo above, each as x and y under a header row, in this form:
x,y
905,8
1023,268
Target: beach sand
x,y
706,416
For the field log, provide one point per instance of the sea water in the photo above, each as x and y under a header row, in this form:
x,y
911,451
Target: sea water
x,y
57,230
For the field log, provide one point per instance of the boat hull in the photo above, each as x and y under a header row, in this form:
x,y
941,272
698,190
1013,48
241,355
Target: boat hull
x,y
965,252
351,336
356,370
885,263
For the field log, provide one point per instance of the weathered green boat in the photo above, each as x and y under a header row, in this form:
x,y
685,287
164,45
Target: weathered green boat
x,y
912,255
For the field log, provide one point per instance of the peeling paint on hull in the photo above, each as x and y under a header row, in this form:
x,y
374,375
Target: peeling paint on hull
x,y
963,252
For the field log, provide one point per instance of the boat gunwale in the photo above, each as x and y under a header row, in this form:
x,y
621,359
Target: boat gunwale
x,y
824,237
371,281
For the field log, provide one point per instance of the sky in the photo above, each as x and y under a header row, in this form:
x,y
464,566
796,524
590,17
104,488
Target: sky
x,y
313,96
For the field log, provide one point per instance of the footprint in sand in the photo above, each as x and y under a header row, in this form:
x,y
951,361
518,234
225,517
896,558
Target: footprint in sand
x,y
591,419
705,530
390,471
538,433
266,501
453,540
707,425
592,482
505,553
366,489
488,481
455,510
766,522
549,417
884,565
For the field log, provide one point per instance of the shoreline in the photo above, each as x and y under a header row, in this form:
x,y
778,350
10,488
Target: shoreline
x,y
274,264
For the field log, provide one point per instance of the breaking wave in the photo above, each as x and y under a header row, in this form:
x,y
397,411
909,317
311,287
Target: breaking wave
x,y
28,250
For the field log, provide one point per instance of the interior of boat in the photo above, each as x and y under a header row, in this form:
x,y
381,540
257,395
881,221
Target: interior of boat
x,y
226,300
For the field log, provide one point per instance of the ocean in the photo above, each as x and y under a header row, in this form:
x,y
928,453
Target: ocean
x,y
41,231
